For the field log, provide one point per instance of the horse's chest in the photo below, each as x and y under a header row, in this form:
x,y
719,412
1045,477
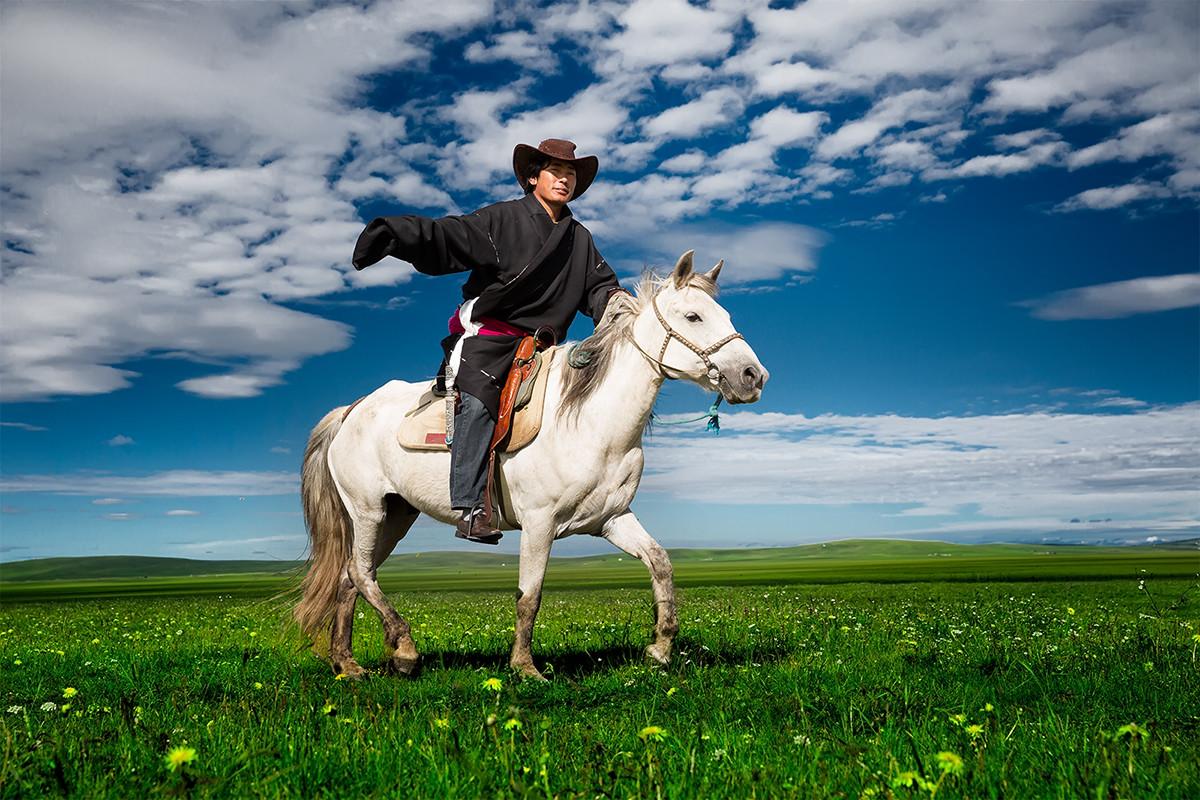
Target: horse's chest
x,y
611,494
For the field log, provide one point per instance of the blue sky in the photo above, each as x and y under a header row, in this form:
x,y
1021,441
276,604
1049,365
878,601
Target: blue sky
x,y
963,238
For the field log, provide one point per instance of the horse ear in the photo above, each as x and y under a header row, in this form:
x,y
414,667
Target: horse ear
x,y
683,269
715,271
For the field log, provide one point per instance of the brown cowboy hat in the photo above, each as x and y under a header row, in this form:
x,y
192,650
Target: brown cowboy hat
x,y
561,150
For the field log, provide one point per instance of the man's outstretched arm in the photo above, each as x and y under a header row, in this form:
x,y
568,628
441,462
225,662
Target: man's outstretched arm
x,y
433,246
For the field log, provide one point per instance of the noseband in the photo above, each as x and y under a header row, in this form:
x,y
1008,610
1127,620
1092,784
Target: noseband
x,y
714,374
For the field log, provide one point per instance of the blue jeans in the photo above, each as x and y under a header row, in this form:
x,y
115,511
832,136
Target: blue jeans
x,y
473,427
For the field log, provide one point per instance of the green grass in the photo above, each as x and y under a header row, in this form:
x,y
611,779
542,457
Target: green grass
x,y
844,689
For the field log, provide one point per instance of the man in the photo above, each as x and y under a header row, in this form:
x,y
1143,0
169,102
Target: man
x,y
532,265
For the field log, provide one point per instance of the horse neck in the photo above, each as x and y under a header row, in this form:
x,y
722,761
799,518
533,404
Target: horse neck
x,y
626,397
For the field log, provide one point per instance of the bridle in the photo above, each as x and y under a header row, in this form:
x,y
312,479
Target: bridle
x,y
714,373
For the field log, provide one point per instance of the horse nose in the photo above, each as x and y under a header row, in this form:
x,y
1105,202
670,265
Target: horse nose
x,y
753,378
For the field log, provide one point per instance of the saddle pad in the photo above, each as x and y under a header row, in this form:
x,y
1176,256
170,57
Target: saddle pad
x,y
424,427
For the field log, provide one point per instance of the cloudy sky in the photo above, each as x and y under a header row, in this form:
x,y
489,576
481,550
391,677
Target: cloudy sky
x,y
963,237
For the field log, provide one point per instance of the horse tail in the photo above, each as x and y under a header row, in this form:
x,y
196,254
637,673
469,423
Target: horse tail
x,y
329,529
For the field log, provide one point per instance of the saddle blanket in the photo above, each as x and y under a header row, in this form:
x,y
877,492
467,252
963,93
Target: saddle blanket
x,y
424,427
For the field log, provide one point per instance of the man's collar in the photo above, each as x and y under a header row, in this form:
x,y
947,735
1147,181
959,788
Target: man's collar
x,y
536,207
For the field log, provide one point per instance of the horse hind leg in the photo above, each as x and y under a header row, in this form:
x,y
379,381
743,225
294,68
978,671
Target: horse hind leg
x,y
375,536
340,635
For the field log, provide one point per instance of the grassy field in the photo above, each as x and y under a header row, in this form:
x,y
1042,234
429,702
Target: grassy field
x,y
1079,679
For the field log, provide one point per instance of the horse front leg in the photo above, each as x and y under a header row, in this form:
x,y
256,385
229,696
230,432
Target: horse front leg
x,y
535,554
627,533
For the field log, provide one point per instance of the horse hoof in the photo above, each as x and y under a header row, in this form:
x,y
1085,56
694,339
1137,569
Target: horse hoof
x,y
658,657
349,670
530,673
405,667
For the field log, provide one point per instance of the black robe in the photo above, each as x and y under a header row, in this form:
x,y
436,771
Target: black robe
x,y
525,270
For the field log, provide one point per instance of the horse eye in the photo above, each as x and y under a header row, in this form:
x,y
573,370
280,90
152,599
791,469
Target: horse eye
x,y
692,316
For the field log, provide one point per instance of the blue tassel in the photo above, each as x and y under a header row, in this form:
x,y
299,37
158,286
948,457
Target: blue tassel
x,y
714,421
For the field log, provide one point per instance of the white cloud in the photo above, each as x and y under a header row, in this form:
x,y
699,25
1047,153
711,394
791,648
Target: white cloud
x,y
669,32
182,512
763,252
1175,134
893,111
518,46
119,516
921,61
1121,402
713,109
23,426
1009,467
880,220
119,440
786,127
1150,57
688,162
176,483
1106,197
238,546
1120,298
1024,139
110,211
107,501
1005,164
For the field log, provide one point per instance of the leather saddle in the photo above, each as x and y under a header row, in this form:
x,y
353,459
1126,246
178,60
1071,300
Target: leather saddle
x,y
522,403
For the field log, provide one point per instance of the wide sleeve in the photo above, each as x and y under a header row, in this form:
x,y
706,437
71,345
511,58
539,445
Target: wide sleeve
x,y
433,246
600,285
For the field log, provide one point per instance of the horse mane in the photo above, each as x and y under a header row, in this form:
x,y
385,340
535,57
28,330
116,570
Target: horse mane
x,y
622,309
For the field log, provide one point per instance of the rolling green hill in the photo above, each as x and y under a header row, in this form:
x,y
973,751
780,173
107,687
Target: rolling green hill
x,y
848,561
99,567
95,567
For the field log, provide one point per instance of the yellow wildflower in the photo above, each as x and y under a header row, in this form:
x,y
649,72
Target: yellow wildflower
x,y
493,684
512,724
441,722
179,756
950,762
652,733
974,730
70,692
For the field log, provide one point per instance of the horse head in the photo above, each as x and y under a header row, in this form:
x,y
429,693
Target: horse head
x,y
691,337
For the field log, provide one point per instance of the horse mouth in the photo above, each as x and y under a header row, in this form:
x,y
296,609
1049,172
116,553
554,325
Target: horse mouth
x,y
746,387
736,398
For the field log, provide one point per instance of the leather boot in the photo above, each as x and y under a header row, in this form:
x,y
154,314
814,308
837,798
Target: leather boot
x,y
475,528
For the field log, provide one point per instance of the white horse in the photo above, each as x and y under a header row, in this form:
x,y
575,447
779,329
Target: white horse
x,y
362,491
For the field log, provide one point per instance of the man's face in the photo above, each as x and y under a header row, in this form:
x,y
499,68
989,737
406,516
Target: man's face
x,y
555,183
